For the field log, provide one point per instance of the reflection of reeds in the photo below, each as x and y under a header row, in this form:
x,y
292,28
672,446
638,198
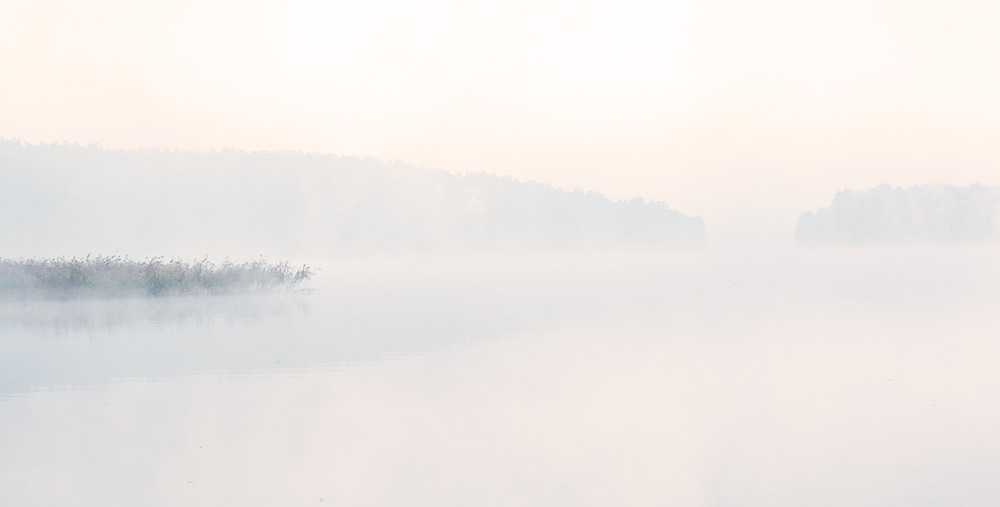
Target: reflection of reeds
x,y
121,276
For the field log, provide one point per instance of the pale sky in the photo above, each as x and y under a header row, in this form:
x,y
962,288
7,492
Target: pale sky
x,y
728,109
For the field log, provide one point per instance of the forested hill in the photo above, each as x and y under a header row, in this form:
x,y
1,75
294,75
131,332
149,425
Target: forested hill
x,y
897,216
65,199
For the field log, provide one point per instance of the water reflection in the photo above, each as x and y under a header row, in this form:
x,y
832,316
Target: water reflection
x,y
93,316
365,313
865,381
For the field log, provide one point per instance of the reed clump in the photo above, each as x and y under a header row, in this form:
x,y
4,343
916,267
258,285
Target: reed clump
x,y
114,276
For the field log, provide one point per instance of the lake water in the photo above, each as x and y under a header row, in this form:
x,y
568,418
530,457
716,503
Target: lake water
x,y
759,378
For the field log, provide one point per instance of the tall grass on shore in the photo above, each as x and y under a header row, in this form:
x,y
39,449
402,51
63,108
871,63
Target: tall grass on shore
x,y
120,276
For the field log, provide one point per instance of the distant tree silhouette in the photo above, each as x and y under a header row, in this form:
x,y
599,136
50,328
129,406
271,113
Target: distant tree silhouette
x,y
938,214
66,199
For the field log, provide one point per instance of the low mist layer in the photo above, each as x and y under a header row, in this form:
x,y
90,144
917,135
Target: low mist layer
x,y
60,199
896,216
119,277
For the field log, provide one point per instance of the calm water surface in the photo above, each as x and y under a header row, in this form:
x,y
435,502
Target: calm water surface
x,y
790,378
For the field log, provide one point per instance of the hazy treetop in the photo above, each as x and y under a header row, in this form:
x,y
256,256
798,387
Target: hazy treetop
x,y
65,199
919,215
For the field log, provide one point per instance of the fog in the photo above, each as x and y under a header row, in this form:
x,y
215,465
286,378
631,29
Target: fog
x,y
475,339
820,377
695,252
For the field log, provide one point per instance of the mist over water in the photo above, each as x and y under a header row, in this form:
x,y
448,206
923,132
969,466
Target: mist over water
x,y
778,377
526,253
477,340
